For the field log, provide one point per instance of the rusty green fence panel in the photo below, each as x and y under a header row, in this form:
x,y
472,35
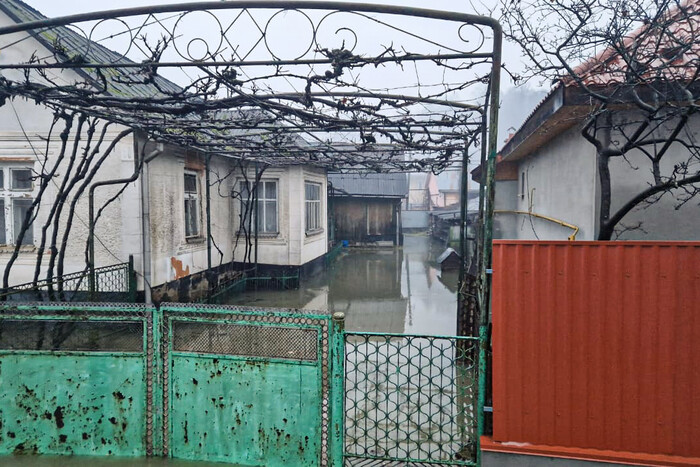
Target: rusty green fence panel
x,y
76,380
245,385
410,399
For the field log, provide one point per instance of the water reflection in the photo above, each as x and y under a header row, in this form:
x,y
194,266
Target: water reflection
x,y
397,290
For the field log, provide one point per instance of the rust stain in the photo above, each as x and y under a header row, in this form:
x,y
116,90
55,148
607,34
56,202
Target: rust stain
x,y
177,266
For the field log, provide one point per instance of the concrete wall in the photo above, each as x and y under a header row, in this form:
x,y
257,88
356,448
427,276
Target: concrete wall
x,y
415,219
174,256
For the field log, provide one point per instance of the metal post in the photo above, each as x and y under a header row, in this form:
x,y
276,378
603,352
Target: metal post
x,y
256,187
131,280
485,263
337,393
208,195
158,381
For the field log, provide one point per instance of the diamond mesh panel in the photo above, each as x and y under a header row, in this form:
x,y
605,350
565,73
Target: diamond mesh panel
x,y
410,399
246,340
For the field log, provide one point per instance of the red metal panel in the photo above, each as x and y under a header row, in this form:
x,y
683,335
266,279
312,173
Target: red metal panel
x,y
597,345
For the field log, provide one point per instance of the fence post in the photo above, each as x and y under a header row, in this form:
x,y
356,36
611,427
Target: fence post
x,y
132,280
337,389
158,381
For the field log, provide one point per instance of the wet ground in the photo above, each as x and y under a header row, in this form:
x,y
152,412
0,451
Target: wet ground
x,y
400,290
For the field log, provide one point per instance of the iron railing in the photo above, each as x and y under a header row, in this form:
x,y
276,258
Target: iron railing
x,y
410,399
113,283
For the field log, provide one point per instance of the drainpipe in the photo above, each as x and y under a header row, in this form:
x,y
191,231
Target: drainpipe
x,y
208,195
146,224
257,213
91,209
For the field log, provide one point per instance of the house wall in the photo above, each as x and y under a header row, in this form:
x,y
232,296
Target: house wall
x,y
560,182
291,246
173,255
661,220
24,128
117,232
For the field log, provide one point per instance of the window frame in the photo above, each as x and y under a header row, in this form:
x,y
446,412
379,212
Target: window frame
x,y
317,205
192,196
10,197
261,202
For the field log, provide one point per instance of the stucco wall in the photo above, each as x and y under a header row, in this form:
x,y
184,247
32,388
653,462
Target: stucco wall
x,y
291,246
660,220
560,182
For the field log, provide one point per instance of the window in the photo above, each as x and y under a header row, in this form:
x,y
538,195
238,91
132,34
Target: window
x,y
191,205
21,179
15,203
313,206
267,206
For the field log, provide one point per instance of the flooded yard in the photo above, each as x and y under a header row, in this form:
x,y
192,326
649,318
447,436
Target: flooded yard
x,y
400,290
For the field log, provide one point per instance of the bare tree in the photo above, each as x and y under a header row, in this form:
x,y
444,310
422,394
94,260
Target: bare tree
x,y
632,67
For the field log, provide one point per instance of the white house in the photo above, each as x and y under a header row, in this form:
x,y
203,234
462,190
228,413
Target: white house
x,y
160,217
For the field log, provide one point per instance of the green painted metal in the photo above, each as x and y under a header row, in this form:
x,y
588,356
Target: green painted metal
x,y
410,399
245,411
75,380
247,386
337,392
89,405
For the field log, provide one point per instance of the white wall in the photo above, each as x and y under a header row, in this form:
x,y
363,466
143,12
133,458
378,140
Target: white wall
x,y
660,220
292,246
560,182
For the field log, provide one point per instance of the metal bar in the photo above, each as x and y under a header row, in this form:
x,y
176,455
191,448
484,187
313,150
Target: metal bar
x,y
208,195
256,4
131,278
410,336
358,60
337,390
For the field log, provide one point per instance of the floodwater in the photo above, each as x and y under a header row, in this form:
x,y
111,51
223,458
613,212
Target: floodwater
x,y
398,290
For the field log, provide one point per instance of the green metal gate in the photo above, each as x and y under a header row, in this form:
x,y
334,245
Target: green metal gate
x,y
76,380
232,384
247,386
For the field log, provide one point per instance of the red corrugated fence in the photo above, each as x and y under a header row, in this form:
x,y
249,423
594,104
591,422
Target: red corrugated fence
x,y
597,345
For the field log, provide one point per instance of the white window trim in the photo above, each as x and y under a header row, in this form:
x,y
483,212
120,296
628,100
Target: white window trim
x,y
261,200
8,195
319,203
198,205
